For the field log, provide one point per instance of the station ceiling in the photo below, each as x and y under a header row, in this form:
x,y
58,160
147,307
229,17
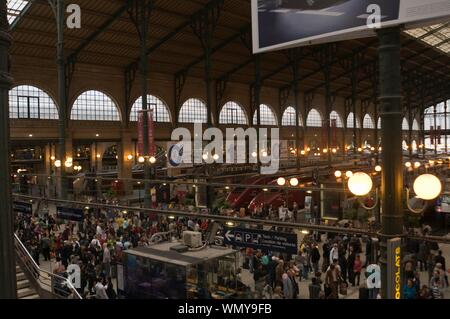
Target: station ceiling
x,y
109,37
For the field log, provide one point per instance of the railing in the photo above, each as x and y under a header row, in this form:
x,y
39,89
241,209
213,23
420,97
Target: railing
x,y
47,283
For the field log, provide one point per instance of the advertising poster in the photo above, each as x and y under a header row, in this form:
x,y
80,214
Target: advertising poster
x,y
279,24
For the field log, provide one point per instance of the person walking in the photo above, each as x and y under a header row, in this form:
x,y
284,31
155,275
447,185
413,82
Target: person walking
x,y
350,264
106,260
315,258
332,282
100,289
357,267
288,287
441,259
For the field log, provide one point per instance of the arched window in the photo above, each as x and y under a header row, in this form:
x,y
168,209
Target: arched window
x,y
232,113
414,145
368,122
160,110
415,126
288,118
94,106
350,119
266,116
314,119
193,111
429,118
334,117
29,102
379,123
405,145
405,124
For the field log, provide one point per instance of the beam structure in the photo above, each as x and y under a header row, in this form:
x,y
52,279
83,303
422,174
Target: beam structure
x,y
210,6
92,37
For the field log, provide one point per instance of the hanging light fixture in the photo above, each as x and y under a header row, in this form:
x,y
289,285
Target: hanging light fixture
x,y
360,184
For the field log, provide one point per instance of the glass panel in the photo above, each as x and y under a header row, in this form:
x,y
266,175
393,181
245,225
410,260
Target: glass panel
x,y
314,119
266,116
40,103
232,113
350,119
15,8
94,106
193,111
368,122
334,116
160,110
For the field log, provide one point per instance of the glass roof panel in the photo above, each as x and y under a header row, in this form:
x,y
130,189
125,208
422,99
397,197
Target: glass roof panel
x,y
437,35
15,8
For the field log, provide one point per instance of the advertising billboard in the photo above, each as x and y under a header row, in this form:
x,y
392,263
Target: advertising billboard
x,y
280,24
394,268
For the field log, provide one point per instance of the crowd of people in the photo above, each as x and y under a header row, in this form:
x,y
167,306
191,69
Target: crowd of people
x,y
96,243
330,263
331,266
424,256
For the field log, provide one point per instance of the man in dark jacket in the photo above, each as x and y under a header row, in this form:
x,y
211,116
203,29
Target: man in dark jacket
x,y
350,263
315,258
326,256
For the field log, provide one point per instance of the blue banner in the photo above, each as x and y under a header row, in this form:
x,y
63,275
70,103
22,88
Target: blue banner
x,y
261,239
23,207
68,213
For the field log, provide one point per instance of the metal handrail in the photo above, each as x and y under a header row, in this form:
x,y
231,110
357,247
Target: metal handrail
x,y
55,284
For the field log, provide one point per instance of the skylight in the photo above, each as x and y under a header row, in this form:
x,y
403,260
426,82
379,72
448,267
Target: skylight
x,y
15,8
437,35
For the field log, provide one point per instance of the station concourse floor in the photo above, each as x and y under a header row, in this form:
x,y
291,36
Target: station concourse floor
x,y
352,292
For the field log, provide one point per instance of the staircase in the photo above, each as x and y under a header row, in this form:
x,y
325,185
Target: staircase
x,y
44,284
24,288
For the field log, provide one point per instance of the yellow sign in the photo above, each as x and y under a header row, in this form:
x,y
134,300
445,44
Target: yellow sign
x,y
397,273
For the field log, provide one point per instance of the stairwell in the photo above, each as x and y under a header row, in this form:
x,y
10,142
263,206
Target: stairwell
x,y
24,288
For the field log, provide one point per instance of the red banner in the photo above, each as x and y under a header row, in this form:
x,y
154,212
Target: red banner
x,y
151,134
140,128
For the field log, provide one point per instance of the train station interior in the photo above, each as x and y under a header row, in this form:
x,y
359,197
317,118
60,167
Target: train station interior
x,y
147,152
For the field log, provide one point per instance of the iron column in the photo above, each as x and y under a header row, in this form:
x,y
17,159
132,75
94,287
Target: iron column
x,y
143,13
7,258
62,96
391,142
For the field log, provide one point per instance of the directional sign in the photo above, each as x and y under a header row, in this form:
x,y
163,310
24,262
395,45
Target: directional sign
x,y
261,239
23,207
69,213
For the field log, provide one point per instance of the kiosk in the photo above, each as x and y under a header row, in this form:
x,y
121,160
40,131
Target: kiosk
x,y
158,272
